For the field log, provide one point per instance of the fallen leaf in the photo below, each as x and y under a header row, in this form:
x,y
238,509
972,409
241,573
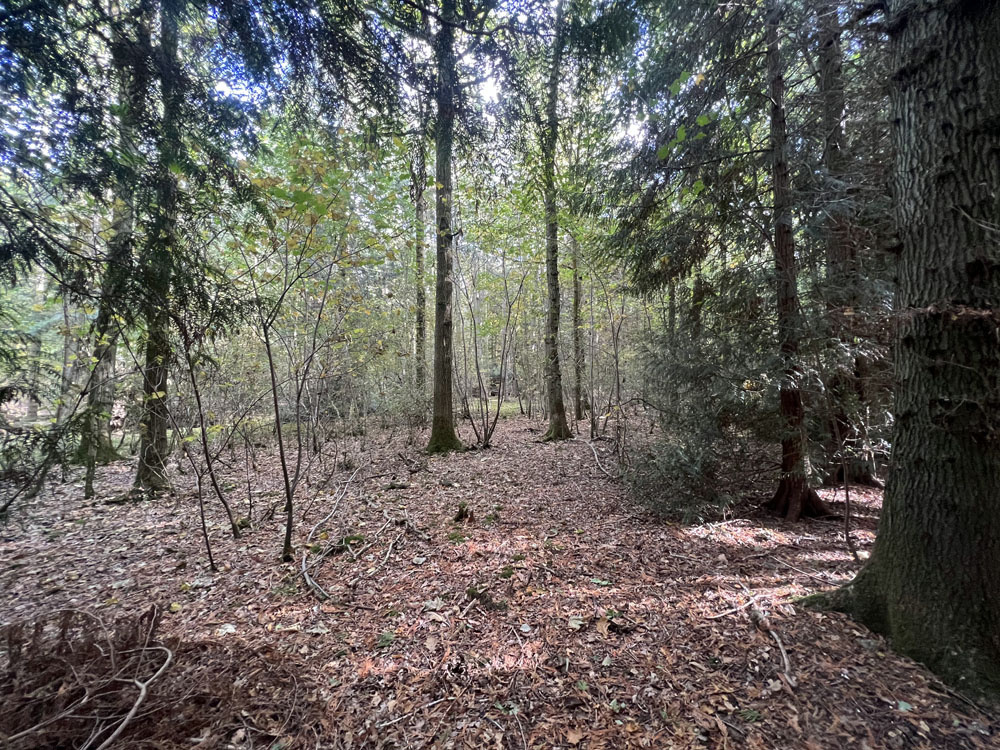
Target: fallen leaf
x,y
574,736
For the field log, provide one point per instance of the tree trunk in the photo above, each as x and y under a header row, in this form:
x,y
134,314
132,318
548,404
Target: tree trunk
x,y
699,291
35,355
578,360
418,182
153,446
443,436
844,384
558,427
933,582
96,446
793,498
672,312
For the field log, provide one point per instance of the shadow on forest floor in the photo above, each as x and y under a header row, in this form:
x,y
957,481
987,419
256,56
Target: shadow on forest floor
x,y
556,615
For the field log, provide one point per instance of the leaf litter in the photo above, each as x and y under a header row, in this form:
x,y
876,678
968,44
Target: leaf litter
x,y
554,614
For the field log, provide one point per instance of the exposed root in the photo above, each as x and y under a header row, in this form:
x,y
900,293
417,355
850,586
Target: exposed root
x,y
794,500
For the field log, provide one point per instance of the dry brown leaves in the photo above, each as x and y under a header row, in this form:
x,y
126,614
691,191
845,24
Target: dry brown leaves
x,y
558,615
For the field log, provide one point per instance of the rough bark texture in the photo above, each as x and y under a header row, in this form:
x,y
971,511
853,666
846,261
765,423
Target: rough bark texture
x,y
153,445
443,436
558,426
933,582
578,360
418,182
844,384
793,498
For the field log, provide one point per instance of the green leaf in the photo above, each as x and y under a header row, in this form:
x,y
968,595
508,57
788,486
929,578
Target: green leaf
x,y
703,120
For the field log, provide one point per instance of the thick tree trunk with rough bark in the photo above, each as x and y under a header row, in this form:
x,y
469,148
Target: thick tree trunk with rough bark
x,y
793,498
153,444
933,582
418,183
558,426
443,436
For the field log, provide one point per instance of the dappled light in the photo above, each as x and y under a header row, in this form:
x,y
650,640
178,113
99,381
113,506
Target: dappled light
x,y
503,374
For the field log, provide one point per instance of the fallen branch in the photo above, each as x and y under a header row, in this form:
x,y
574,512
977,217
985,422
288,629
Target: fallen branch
x,y
409,526
732,611
824,581
597,460
763,624
408,714
311,584
143,686
413,466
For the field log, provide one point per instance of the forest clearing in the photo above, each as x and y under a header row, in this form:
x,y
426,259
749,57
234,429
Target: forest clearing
x,y
509,374
556,615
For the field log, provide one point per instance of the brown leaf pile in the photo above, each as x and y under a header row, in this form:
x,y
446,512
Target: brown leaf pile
x,y
555,615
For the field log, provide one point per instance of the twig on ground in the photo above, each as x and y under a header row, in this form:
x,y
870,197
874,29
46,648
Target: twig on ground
x,y
408,714
732,611
318,590
763,624
597,460
143,686
409,526
388,551
413,466
825,581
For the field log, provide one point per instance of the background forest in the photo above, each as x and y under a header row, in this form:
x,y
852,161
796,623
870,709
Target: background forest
x,y
243,242
211,236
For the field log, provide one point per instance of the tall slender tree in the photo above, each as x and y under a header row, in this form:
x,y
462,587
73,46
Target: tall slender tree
x,y
558,426
418,185
578,357
443,437
793,497
130,68
845,383
158,262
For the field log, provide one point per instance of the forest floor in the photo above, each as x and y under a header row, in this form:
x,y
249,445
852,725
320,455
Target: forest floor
x,y
558,615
